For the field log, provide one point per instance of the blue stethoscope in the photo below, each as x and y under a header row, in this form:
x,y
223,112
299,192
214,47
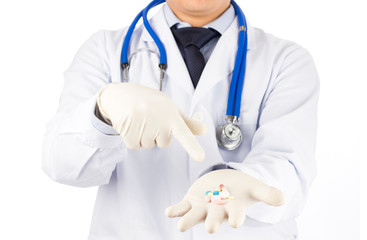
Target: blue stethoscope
x,y
228,135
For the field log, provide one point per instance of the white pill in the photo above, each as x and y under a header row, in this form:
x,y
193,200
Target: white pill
x,y
214,198
224,194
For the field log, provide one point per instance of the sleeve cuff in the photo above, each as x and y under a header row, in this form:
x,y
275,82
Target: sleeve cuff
x,y
101,126
218,166
79,122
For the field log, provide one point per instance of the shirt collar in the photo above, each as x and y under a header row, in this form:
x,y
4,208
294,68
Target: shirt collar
x,y
220,24
160,18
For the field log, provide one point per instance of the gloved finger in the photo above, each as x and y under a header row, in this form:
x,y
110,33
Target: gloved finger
x,y
163,139
148,137
179,209
236,213
215,217
187,140
133,134
196,127
121,127
268,195
191,218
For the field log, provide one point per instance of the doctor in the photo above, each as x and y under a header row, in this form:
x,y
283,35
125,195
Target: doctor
x,y
118,131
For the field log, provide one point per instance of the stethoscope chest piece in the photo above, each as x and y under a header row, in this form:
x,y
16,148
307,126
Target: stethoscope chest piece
x,y
229,136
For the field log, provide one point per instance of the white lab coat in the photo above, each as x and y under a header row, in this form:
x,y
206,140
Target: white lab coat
x,y
278,121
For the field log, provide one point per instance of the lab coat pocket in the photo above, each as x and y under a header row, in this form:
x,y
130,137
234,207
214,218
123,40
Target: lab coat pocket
x,y
248,123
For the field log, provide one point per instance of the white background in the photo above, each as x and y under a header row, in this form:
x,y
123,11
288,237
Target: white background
x,y
38,41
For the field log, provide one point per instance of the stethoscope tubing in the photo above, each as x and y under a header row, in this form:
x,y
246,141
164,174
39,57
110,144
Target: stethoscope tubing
x,y
126,43
237,81
143,13
236,87
162,51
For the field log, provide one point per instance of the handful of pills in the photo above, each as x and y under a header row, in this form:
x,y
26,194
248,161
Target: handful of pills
x,y
218,196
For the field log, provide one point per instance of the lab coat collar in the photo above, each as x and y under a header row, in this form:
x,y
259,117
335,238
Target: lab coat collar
x,y
176,69
220,64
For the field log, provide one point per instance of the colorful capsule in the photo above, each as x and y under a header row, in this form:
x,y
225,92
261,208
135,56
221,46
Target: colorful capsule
x,y
219,196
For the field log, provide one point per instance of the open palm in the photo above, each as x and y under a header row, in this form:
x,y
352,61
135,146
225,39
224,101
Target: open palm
x,y
246,191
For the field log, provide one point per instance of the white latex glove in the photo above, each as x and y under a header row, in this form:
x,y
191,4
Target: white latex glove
x,y
145,117
245,189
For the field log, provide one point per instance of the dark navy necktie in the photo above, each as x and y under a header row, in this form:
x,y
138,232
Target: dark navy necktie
x,y
189,41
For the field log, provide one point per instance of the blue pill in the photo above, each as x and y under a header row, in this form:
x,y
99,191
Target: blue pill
x,y
216,193
207,192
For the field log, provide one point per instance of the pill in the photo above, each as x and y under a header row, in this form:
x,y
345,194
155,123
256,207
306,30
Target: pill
x,y
219,196
220,202
224,194
214,198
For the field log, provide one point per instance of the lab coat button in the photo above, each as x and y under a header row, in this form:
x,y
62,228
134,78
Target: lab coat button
x,y
199,116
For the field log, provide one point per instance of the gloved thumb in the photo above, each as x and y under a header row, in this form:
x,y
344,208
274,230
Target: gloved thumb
x,y
196,127
268,195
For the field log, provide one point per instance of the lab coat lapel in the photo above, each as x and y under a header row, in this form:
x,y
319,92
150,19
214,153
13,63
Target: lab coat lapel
x,y
222,60
218,68
177,72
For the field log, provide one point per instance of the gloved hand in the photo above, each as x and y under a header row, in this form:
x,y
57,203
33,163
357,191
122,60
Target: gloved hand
x,y
245,189
145,117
